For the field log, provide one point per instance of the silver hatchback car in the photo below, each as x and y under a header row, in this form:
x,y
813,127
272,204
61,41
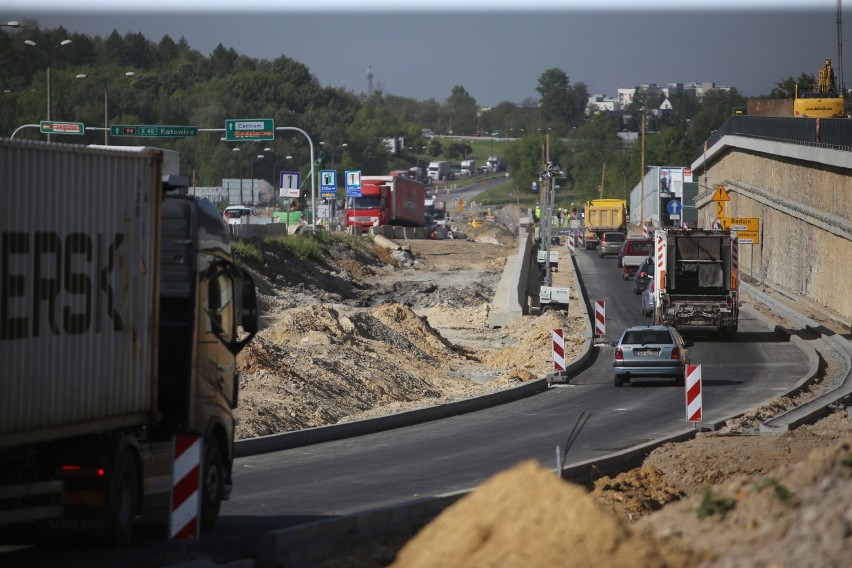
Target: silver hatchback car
x,y
611,242
650,351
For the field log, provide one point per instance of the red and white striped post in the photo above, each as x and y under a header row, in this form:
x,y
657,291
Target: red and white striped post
x,y
558,337
645,231
600,317
569,244
693,393
581,238
186,489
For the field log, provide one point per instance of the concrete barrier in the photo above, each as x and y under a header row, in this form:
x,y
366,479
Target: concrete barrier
x,y
510,298
257,231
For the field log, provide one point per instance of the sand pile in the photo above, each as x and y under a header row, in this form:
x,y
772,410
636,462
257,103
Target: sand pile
x,y
526,516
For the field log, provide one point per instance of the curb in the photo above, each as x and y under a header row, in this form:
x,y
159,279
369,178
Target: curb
x,y
820,406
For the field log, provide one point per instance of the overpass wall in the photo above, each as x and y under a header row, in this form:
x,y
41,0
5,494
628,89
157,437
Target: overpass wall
x,y
805,211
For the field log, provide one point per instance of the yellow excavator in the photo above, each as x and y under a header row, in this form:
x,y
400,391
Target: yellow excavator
x,y
822,100
826,98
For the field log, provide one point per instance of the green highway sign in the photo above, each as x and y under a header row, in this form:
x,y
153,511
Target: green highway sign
x,y
249,129
152,130
51,127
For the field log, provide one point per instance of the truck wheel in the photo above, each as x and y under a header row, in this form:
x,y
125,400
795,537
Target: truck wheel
x,y
123,499
212,485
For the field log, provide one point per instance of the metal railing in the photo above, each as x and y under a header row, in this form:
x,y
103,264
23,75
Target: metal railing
x,y
825,132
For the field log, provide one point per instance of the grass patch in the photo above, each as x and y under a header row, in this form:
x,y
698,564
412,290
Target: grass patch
x,y
314,246
305,245
712,504
246,252
781,492
506,193
481,149
350,241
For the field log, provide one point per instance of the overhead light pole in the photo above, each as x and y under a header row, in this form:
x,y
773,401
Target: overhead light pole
x,y
105,81
256,158
49,51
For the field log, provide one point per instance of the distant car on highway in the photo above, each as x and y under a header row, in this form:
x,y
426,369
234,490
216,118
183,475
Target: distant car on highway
x,y
650,351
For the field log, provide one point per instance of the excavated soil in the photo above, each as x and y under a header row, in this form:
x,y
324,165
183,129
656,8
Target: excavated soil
x,y
372,333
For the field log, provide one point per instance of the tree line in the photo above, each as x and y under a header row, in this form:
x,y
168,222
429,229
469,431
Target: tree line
x,y
173,84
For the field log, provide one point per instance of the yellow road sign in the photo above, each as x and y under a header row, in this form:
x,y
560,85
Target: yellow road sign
x,y
740,224
748,237
720,194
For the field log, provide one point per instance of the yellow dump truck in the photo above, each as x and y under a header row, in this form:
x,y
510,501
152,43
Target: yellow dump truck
x,y
602,215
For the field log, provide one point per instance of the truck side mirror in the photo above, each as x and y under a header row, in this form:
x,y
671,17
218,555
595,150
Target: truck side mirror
x,y
243,306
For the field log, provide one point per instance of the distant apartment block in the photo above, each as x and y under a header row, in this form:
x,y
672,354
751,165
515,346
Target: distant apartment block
x,y
625,95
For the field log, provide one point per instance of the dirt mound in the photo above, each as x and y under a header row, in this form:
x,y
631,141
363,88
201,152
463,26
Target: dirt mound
x,y
526,516
636,493
491,233
314,366
786,505
533,349
416,329
691,466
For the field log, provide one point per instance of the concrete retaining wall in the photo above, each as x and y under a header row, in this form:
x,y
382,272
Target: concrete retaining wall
x,y
805,211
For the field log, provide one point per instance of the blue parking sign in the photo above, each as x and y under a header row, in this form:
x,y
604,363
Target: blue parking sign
x,y
328,183
353,183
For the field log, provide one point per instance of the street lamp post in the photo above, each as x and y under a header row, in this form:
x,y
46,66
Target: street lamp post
x,y
49,50
105,81
258,157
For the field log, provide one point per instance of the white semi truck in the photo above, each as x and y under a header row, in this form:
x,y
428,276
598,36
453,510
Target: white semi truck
x,y
438,171
121,313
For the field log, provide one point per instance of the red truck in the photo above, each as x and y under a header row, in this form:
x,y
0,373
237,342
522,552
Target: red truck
x,y
387,200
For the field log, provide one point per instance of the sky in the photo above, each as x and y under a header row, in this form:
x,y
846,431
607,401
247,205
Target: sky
x,y
495,49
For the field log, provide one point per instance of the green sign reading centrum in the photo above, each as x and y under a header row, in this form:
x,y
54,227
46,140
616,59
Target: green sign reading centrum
x,y
249,129
152,130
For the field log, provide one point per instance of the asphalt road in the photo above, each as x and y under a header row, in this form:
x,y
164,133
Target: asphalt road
x,y
291,487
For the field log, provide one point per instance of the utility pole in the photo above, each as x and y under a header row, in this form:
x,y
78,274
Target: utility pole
x,y
642,179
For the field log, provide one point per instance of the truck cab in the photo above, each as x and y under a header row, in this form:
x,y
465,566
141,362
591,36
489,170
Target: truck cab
x,y
144,328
